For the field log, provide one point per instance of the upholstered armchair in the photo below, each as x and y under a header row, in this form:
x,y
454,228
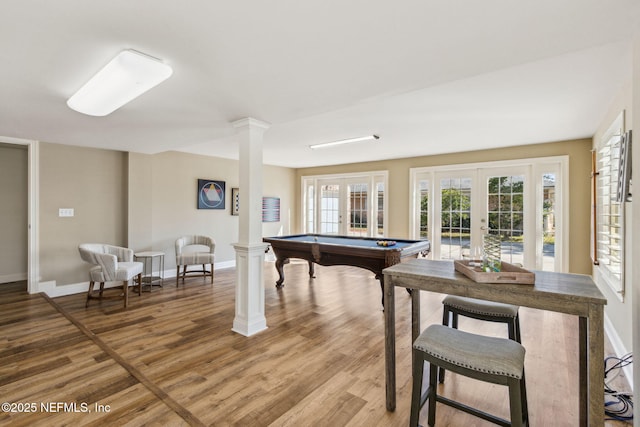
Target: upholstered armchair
x,y
111,264
194,250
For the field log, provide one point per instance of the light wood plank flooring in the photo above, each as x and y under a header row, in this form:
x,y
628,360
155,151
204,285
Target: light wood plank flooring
x,y
171,358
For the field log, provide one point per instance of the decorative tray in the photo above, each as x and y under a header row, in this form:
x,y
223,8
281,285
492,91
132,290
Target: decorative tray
x,y
508,273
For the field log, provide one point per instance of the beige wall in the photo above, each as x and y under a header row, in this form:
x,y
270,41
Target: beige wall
x,y
13,211
94,183
579,152
141,201
172,209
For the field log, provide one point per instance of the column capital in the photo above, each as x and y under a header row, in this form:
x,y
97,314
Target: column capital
x,y
250,122
250,247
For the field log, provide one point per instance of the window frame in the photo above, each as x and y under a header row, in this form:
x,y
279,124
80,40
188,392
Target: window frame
x,y
605,176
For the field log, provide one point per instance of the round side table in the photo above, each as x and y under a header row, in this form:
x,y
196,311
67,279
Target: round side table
x,y
148,277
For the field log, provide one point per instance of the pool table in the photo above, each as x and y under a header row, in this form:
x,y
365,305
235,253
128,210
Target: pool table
x,y
363,252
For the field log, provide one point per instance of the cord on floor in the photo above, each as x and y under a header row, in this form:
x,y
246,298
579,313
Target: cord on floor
x,y
618,405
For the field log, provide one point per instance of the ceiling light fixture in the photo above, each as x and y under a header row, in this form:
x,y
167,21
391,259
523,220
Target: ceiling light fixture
x,y
127,76
345,141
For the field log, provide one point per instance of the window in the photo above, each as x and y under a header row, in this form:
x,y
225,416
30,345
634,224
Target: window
x,y
609,215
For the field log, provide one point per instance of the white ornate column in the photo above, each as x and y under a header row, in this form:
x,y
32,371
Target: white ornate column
x,y
250,249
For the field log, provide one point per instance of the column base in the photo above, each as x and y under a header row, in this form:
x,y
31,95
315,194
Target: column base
x,y
249,319
248,329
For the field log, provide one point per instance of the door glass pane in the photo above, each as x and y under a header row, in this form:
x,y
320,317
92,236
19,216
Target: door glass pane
x,y
456,218
505,207
357,209
424,208
311,211
380,210
548,221
329,209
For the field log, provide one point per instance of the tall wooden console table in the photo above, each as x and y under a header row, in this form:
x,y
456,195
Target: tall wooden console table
x,y
573,294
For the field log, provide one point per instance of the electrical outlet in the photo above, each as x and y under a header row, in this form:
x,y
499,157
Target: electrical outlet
x,y
65,212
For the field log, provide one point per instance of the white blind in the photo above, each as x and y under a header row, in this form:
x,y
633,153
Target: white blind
x,y
610,213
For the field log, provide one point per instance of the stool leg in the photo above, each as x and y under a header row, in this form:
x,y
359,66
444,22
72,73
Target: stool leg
x,y
515,402
433,370
416,393
446,315
449,318
512,330
523,396
517,322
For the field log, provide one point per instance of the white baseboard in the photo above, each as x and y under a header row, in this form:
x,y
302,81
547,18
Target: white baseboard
x,y
15,277
52,290
619,349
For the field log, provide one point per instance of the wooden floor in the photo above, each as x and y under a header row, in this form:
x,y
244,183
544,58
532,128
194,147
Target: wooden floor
x,y
171,358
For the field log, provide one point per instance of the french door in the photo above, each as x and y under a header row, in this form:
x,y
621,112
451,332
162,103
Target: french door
x,y
504,192
346,206
456,207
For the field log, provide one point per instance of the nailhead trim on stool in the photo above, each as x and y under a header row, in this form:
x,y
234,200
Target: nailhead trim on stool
x,y
454,306
490,359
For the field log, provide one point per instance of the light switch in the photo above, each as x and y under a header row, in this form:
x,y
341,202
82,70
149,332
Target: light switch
x,y
66,212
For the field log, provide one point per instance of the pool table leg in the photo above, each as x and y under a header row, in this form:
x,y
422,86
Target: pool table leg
x,y
312,271
280,262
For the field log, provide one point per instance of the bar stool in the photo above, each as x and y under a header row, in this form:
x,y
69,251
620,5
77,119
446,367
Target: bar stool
x,y
453,306
489,359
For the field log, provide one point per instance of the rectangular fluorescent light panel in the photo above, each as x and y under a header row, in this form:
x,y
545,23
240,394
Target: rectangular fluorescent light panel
x,y
344,141
127,76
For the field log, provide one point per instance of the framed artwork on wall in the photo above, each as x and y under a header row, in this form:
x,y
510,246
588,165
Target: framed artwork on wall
x,y
211,194
270,209
235,201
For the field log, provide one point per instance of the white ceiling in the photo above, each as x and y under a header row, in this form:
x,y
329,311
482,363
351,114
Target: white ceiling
x,y
427,76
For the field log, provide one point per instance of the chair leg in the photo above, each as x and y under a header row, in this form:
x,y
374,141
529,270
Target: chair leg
x,y
91,283
125,288
212,273
178,276
416,394
140,284
101,289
